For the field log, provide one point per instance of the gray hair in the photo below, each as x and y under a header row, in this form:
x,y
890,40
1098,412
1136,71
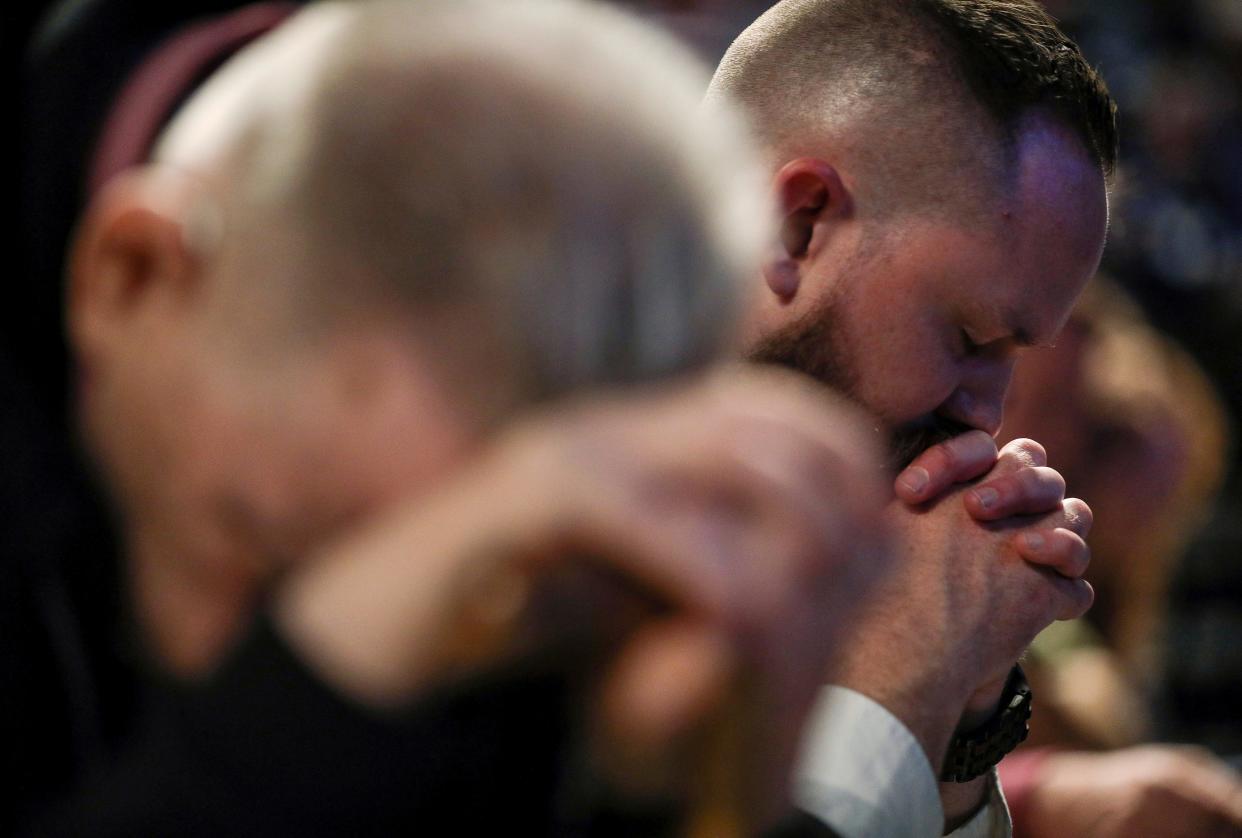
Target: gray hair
x,y
546,162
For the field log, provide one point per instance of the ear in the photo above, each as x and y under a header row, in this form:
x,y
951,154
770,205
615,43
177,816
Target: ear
x,y
130,251
811,197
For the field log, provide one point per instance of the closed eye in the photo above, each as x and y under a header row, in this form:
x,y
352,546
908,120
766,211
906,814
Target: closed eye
x,y
969,346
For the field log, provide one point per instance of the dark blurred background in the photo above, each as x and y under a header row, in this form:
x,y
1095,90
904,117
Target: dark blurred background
x,y
1175,69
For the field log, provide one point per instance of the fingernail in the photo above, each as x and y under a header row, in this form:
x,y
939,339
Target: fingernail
x,y
915,479
987,497
1034,540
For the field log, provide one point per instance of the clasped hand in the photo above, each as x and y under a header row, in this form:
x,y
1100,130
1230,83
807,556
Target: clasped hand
x,y
1015,497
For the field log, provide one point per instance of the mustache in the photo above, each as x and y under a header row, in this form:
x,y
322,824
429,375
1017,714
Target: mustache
x,y
908,441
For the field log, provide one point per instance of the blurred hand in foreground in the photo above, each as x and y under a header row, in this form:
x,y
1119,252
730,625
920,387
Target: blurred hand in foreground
x,y
716,536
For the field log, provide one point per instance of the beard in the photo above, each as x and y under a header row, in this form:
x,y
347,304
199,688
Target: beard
x,y
815,345
905,442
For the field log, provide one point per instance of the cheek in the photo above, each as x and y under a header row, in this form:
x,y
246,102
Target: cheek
x,y
908,386
155,436
124,424
903,368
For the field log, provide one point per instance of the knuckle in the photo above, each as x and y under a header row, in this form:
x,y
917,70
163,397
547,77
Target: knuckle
x,y
1072,599
1030,480
1061,551
1171,765
1037,483
1080,556
1027,451
1159,792
943,457
1078,515
1086,596
1076,555
1199,756
1052,477
1006,485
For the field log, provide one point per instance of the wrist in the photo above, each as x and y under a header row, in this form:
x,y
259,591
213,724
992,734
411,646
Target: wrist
x,y
982,705
928,703
962,801
976,752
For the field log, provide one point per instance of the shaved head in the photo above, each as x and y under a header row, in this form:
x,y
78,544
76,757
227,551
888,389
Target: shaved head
x,y
906,93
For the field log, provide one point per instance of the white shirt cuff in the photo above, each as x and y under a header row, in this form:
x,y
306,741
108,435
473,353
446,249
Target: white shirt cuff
x,y
864,774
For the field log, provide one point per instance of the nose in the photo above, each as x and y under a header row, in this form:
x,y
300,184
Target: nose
x,y
979,400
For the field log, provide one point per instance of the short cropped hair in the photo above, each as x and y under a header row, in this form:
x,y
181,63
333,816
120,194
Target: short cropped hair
x,y
1013,56
907,68
546,163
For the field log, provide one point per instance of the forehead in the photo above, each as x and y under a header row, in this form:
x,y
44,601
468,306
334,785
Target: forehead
x,y
1023,258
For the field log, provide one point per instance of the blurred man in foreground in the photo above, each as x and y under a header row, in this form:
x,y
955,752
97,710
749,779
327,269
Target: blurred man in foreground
x,y
361,249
